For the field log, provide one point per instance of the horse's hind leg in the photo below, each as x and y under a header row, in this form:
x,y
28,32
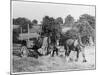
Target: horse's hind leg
x,y
67,51
53,53
83,54
57,52
77,55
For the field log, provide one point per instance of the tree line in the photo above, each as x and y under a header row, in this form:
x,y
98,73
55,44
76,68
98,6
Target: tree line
x,y
84,26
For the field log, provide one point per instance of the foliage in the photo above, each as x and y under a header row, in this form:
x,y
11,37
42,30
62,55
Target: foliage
x,y
70,34
69,21
59,20
23,22
15,35
86,27
34,22
50,26
90,19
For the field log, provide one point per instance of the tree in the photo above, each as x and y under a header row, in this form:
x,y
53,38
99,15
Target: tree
x,y
70,34
50,26
59,20
23,22
47,24
90,19
85,30
15,36
69,21
34,22
91,24
14,21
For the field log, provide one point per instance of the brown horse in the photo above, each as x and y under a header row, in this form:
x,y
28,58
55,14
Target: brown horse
x,y
74,45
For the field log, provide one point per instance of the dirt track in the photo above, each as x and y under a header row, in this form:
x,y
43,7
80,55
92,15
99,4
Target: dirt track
x,y
47,63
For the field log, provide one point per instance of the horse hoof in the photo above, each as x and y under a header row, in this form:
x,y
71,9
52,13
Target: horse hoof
x,y
70,59
84,61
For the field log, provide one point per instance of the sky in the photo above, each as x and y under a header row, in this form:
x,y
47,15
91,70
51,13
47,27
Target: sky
x,y
34,10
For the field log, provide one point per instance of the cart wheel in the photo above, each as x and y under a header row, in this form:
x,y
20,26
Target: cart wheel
x,y
24,51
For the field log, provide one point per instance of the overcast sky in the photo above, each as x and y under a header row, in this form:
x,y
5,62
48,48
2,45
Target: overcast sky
x,y
33,10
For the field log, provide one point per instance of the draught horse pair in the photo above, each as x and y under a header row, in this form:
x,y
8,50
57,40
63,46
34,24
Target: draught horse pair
x,y
69,45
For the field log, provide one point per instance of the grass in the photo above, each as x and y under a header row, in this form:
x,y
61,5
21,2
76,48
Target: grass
x,y
24,64
48,63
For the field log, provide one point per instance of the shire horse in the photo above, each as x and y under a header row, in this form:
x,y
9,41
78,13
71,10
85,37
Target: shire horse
x,y
74,45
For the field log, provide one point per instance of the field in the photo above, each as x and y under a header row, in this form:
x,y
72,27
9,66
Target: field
x,y
56,63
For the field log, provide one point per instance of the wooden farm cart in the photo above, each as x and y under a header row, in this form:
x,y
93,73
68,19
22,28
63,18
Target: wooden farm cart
x,y
27,43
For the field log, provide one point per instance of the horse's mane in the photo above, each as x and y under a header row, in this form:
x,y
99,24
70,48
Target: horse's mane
x,y
80,41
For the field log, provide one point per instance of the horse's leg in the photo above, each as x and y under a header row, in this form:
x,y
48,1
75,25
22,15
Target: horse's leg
x,y
83,54
66,50
57,52
48,46
77,54
53,53
67,53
